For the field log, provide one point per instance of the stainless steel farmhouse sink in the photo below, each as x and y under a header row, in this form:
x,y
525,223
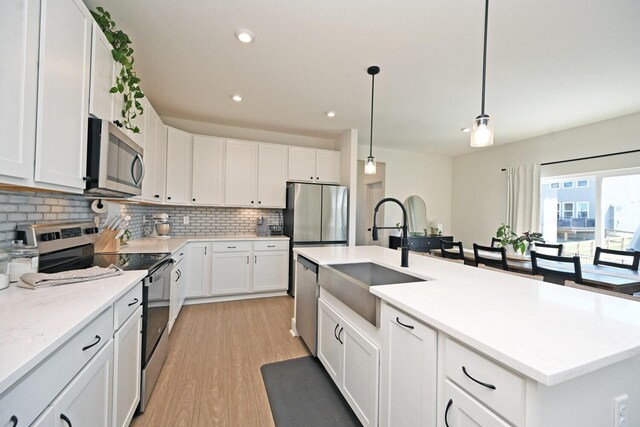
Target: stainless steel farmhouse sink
x,y
350,284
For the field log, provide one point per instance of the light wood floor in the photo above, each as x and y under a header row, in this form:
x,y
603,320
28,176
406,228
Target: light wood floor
x,y
212,374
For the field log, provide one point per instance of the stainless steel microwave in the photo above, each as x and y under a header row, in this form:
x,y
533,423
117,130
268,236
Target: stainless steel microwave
x,y
115,164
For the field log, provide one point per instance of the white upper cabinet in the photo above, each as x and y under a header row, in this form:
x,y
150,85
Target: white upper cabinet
x,y
328,166
155,154
179,149
240,173
208,170
19,30
63,93
272,176
302,164
102,76
311,165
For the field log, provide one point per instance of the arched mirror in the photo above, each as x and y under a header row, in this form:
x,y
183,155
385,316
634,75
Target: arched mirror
x,y
416,214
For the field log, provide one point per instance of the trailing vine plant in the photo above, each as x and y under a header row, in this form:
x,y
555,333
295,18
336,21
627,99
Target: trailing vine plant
x,y
127,82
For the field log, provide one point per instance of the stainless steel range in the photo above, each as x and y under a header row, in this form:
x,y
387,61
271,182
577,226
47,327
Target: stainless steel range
x,y
65,246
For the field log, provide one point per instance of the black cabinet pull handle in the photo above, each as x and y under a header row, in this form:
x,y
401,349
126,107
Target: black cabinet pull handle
x,y
271,246
255,260
252,201
310,177
135,301
446,412
64,418
487,385
169,198
259,202
404,324
318,178
14,420
335,332
91,345
231,247
339,333
157,196
194,200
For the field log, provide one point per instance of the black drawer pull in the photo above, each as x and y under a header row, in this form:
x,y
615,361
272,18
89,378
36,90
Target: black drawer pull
x,y
446,412
135,301
403,324
64,418
231,247
98,339
335,332
487,385
271,246
14,420
339,333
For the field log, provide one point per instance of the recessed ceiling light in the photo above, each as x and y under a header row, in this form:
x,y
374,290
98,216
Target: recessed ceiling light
x,y
331,113
465,130
236,98
244,35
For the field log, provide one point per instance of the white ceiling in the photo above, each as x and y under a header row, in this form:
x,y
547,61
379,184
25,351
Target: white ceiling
x,y
552,65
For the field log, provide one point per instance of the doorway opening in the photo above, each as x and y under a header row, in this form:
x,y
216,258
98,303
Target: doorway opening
x,y
371,189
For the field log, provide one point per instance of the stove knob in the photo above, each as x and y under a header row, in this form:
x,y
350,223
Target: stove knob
x,y
44,237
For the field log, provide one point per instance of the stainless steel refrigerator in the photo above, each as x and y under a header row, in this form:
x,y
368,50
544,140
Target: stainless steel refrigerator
x,y
316,215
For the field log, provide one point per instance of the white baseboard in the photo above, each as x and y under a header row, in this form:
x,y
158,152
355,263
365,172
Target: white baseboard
x,y
294,330
222,298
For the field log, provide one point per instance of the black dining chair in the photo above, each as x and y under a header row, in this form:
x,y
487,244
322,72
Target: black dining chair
x,y
549,248
550,266
451,250
633,256
495,242
490,256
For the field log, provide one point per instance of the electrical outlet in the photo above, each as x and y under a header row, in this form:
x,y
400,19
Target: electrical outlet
x,y
620,411
185,220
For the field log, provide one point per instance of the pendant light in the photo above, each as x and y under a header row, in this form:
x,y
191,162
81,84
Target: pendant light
x,y
482,129
370,166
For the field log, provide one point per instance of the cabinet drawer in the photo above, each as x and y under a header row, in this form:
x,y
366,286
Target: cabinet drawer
x,y
507,397
232,246
272,245
460,409
36,390
126,305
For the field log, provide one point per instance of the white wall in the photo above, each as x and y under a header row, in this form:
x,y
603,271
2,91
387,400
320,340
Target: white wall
x,y
347,143
410,173
479,186
212,129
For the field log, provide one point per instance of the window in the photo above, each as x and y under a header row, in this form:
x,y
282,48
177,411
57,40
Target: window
x,y
554,185
601,209
582,209
567,210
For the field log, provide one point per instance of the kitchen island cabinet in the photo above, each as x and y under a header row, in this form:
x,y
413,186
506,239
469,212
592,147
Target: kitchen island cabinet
x,y
510,350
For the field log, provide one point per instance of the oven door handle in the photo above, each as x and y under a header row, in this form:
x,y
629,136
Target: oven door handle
x,y
159,272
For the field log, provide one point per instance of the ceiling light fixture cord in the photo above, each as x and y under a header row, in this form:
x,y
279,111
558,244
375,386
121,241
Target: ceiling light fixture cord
x,y
484,55
373,79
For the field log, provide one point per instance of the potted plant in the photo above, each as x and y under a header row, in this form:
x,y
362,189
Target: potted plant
x,y
520,244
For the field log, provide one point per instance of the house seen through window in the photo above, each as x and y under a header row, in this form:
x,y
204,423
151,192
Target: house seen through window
x,y
582,212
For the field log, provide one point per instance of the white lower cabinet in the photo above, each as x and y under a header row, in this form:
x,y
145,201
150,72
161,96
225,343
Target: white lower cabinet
x,y
462,410
270,271
46,419
236,267
126,380
86,401
408,371
352,361
231,272
199,268
177,288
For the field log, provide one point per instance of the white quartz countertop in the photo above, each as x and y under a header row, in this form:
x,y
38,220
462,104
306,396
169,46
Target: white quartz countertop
x,y
33,323
172,244
547,332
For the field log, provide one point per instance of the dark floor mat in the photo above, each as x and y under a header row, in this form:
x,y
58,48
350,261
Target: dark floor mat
x,y
301,393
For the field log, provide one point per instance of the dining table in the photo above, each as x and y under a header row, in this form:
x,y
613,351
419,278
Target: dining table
x,y
622,280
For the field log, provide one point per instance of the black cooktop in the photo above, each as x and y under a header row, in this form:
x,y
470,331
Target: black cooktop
x,y
84,257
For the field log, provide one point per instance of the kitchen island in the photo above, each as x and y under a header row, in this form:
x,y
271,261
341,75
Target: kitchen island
x,y
563,354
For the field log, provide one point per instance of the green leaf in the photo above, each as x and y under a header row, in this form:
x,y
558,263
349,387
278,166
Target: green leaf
x,y
113,90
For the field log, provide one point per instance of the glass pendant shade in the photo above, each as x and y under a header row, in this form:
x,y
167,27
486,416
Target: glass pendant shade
x,y
482,131
370,166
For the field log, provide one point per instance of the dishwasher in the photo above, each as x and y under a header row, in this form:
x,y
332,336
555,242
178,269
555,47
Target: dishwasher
x,y
307,294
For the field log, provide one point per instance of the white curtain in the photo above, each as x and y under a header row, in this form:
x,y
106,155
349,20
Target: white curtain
x,y
523,198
